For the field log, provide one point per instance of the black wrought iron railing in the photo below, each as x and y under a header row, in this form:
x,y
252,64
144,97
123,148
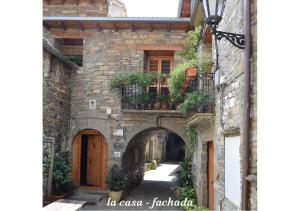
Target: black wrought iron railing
x,y
138,98
204,83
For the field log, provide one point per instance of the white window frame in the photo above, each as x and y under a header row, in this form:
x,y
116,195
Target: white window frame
x,y
233,169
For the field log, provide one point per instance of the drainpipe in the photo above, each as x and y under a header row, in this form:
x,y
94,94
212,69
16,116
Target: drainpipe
x,y
247,82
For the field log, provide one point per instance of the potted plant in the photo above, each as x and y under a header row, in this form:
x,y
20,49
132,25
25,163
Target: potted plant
x,y
62,183
148,99
125,102
192,101
190,73
164,102
171,105
116,182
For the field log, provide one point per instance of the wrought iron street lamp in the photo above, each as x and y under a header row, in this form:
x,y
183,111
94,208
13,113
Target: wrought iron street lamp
x,y
213,12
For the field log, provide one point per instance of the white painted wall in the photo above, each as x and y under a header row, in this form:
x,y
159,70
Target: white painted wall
x,y
233,169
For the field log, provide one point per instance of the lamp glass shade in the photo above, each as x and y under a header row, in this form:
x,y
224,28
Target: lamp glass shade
x,y
213,10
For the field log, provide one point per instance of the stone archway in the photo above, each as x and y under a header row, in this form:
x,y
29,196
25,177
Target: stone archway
x,y
90,159
133,159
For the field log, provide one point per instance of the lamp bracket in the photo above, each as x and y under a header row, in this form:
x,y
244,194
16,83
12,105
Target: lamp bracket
x,y
238,40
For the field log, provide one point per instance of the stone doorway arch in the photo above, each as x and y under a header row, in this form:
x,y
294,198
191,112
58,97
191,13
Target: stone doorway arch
x,y
133,159
90,159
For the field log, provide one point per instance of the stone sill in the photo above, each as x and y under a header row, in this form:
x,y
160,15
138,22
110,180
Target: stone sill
x,y
134,111
199,118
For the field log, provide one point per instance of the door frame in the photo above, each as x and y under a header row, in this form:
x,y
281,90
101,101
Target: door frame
x,y
76,157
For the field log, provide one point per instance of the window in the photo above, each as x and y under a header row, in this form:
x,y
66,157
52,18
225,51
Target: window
x,y
70,48
160,62
233,169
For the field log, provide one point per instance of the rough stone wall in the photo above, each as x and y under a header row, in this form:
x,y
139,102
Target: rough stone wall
x,y
57,87
199,161
70,8
253,101
106,53
156,147
229,109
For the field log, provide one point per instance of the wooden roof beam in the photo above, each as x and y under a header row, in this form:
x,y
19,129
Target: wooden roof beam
x,y
78,2
187,29
132,27
169,27
116,27
92,2
63,25
81,26
47,26
62,2
151,27
99,27
48,1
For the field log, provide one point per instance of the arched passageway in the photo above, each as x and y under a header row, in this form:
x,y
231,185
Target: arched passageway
x,y
159,144
89,159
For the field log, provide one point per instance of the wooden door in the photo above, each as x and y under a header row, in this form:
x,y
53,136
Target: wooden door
x,y
97,158
210,176
103,157
76,156
93,161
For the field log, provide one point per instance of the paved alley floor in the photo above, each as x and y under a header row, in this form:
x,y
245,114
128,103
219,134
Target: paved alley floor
x,y
155,189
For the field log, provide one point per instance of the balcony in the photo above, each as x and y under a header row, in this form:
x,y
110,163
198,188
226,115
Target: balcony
x,y
135,97
204,84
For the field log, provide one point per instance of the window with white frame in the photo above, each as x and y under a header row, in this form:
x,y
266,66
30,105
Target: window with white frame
x,y
233,169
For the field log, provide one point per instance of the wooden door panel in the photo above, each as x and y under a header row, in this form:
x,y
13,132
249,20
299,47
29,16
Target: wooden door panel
x,y
91,161
104,162
97,160
76,155
210,176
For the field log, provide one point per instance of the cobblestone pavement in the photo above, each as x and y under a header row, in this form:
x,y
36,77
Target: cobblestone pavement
x,y
155,188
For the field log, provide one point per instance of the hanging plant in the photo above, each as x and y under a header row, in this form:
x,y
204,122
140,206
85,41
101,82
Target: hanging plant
x,y
192,137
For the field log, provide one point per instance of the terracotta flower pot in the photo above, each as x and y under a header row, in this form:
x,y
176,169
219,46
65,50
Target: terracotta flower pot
x,y
191,72
164,106
115,195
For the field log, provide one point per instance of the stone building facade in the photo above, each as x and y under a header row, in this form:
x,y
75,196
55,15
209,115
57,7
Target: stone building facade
x,y
111,46
228,118
58,74
95,8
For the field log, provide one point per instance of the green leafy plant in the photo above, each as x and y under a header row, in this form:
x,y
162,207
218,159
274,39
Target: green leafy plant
x,y
165,99
191,102
188,192
184,173
61,176
77,59
133,78
176,81
153,165
192,39
116,179
192,137
46,161
118,80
